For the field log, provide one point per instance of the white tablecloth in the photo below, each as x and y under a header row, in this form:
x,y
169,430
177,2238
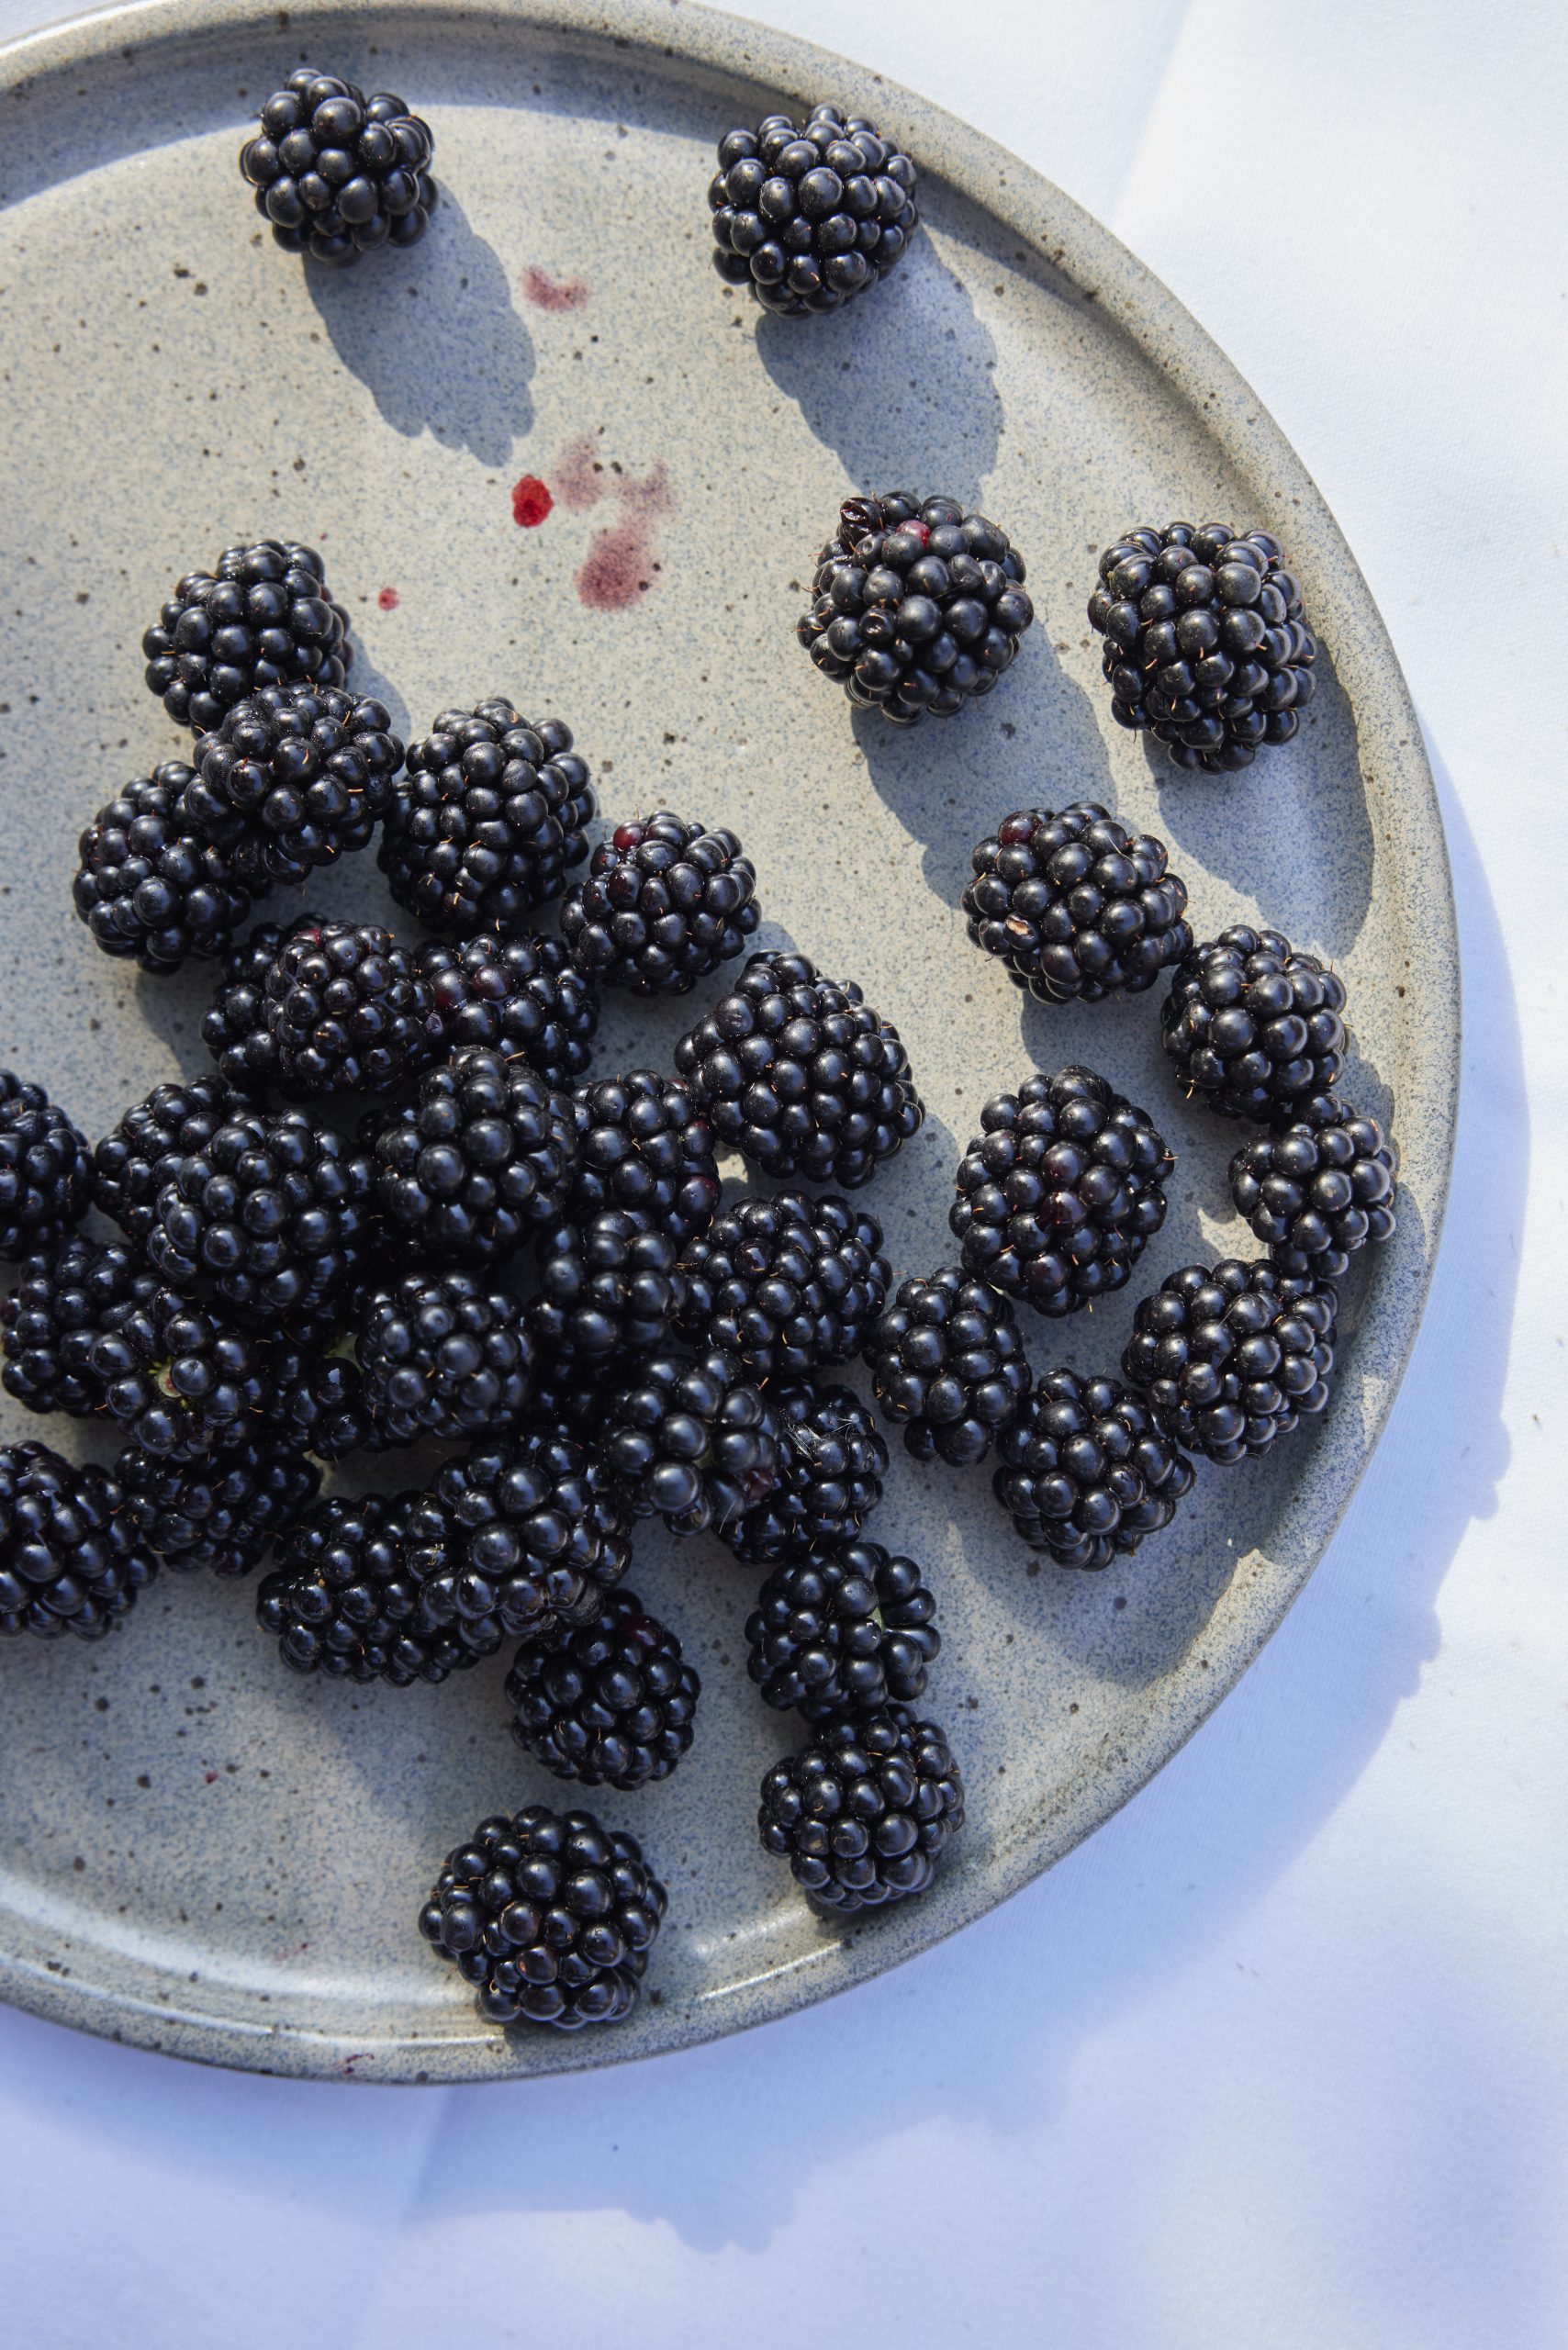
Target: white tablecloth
x,y
1277,2060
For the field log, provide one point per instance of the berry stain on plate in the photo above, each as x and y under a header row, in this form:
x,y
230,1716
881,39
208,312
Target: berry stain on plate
x,y
547,292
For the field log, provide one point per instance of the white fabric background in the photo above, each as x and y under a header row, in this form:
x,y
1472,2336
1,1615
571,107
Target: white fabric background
x,y
1277,2060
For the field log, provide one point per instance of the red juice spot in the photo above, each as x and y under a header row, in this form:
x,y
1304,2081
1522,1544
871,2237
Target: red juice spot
x,y
387,599
209,1776
580,481
614,572
554,294
530,501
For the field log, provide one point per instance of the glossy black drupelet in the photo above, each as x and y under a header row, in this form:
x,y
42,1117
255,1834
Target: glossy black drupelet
x,y
337,173
1316,1190
664,902
831,1462
611,1705
347,1596
522,997
49,1322
180,1379
862,1812
800,1076
234,1026
1231,1356
263,616
608,1286
487,821
1060,1192
69,1558
483,1157
842,1630
788,1283
218,1516
316,1394
1253,1027
946,1362
151,889
273,1211
46,1169
1206,645
444,1355
916,606
549,1917
292,778
537,1535
348,1010
645,1142
1076,906
689,1439
133,1162
808,218
1085,1473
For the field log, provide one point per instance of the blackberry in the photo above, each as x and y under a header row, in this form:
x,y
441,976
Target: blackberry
x,y
442,1355
483,1157
1231,1356
337,173
131,1165
691,1439
46,1169
317,1397
487,821
522,997
1252,1026
788,1285
549,1917
607,1286
263,616
273,1211
568,1390
946,1360
536,1535
842,1630
862,1812
347,1010
51,1319
1075,905
665,903
1060,1192
1318,1190
800,1076
831,1462
346,1597
1086,1472
220,1514
147,886
808,218
613,1705
70,1559
645,1142
916,606
1205,642
180,1382
234,1027
291,779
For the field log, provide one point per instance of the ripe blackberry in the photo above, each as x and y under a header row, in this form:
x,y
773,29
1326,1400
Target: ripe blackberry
x,y
337,173
831,1462
347,1010
549,1916
487,821
234,1027
1318,1190
948,1362
347,1596
1076,906
1085,1472
691,1439
69,1558
131,1165
263,616
521,997
788,1285
607,1286
51,1319
292,778
1060,1192
1253,1026
220,1514
800,1076
483,1157
809,217
916,606
46,1169
613,1705
273,1211
862,1812
444,1356
1205,642
645,1142
147,886
316,1396
665,903
842,1630
1230,1356
181,1381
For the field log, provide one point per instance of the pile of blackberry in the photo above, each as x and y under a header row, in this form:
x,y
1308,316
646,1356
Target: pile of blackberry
x,y
149,887
1230,1356
947,1364
46,1169
1317,1190
1076,906
664,902
808,218
1252,1028
863,1810
787,1284
291,779
1086,1474
70,1557
347,1010
609,1704
263,616
487,821
337,173
485,1155
273,1213
522,997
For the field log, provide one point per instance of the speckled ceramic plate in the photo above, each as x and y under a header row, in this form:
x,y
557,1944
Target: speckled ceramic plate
x,y
199,1852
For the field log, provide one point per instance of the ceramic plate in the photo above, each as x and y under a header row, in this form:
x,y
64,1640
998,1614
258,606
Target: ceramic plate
x,y
200,1851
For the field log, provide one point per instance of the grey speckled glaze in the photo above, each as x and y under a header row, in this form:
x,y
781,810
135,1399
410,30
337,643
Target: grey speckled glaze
x,y
201,1852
